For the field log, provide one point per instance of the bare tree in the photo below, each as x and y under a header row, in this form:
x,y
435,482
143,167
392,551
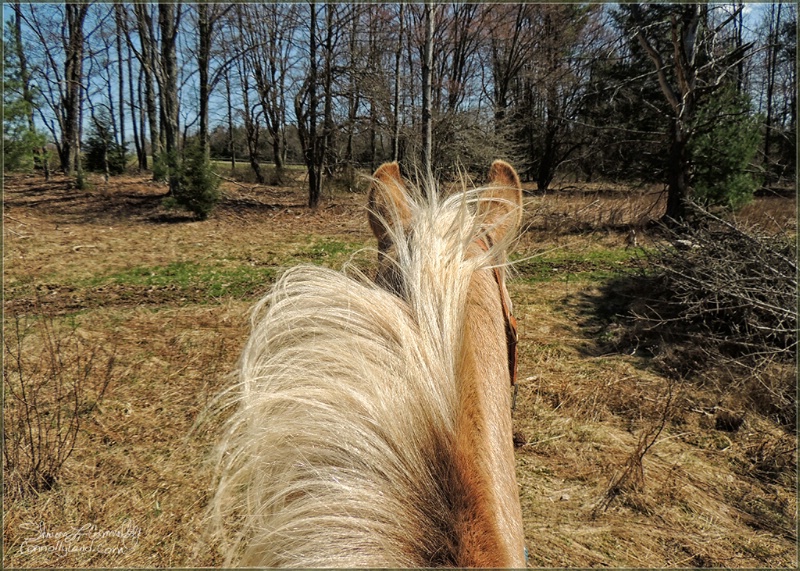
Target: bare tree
x,y
305,108
313,140
328,134
146,55
427,70
229,105
779,88
123,31
398,54
248,112
120,78
208,19
267,34
73,73
510,46
168,20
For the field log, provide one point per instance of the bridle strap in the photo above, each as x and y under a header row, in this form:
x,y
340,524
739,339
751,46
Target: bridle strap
x,y
510,321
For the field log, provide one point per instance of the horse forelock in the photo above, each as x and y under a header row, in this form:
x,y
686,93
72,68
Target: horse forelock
x,y
338,450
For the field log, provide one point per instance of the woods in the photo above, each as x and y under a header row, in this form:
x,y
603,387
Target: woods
x,y
625,93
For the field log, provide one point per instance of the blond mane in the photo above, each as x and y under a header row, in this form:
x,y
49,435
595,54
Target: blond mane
x,y
338,452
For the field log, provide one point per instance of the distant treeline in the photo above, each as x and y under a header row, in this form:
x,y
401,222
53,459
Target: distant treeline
x,y
687,94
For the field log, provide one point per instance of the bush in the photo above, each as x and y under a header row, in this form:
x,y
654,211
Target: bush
x,y
19,146
198,186
54,381
101,149
160,169
20,139
723,151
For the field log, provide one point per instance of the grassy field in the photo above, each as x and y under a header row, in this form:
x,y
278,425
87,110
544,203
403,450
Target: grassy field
x,y
160,302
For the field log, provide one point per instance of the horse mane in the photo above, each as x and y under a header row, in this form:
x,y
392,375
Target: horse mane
x,y
338,451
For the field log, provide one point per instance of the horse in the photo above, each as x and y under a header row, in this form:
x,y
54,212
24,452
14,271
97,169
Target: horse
x,y
372,423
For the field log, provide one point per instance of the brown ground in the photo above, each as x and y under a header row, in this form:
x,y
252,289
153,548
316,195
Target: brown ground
x,y
98,262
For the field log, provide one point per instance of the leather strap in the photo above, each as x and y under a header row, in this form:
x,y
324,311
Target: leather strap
x,y
511,322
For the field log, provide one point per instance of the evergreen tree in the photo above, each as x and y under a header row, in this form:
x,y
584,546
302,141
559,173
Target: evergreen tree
x,y
20,138
723,149
102,152
198,187
669,100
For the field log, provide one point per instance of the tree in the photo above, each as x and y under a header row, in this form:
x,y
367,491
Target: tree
x,y
123,31
398,54
687,68
73,97
102,152
21,141
198,189
306,104
780,92
107,127
267,32
208,20
168,20
146,56
564,51
248,112
510,47
315,138
723,147
427,70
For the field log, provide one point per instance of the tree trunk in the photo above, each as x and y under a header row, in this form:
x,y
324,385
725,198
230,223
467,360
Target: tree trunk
x,y
325,164
73,74
427,67
231,147
312,146
39,154
681,97
121,75
396,106
353,98
678,176
251,130
147,65
772,57
168,24
548,161
269,74
142,120
205,29
141,155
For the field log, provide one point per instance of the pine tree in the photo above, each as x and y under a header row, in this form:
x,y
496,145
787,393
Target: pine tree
x,y
723,150
20,137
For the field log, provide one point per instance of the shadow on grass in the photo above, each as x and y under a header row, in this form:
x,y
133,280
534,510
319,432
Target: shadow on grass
x,y
608,316
123,199
120,200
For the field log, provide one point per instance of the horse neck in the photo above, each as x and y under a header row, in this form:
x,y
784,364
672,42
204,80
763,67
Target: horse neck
x,y
489,518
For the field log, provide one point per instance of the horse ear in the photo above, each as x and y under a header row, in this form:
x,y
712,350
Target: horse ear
x,y
388,203
501,203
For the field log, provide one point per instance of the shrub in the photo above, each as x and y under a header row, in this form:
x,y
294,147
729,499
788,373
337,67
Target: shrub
x,y
198,186
723,150
101,150
19,146
20,139
160,168
53,382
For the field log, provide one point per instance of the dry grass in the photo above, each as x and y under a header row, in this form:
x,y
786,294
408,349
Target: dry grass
x,y
136,485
